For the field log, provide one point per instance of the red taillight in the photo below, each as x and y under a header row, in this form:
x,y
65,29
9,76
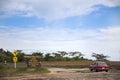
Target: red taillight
x,y
99,66
107,67
103,67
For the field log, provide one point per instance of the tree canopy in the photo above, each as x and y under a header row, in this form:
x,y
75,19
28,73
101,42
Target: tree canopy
x,y
6,55
100,56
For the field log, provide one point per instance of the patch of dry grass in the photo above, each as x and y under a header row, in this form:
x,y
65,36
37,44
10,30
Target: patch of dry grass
x,y
76,64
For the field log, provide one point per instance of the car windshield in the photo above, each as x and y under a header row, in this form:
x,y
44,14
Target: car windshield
x,y
102,64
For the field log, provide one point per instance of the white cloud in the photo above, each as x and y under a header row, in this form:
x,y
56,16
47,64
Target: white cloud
x,y
52,9
105,40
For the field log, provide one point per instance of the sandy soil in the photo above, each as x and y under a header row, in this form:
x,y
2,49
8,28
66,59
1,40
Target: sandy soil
x,y
82,74
68,74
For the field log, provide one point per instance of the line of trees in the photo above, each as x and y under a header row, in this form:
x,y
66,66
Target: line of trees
x,y
8,56
55,56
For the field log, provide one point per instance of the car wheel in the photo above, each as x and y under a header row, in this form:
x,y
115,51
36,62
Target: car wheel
x,y
96,70
91,69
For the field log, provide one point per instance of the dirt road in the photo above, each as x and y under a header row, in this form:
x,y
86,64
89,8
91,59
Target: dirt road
x,y
82,74
68,74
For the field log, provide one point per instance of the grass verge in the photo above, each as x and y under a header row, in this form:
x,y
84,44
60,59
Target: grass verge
x,y
8,70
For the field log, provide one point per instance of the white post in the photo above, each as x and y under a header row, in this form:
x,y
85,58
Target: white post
x,y
15,65
5,62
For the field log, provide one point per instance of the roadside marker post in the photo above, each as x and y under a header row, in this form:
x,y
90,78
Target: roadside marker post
x,y
15,58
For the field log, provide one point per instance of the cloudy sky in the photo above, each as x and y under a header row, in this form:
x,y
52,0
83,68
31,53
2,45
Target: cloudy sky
x,y
61,25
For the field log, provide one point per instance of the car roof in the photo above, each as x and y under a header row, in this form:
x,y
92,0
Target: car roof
x,y
100,62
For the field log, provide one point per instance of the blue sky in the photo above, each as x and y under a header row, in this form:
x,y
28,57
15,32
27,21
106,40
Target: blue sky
x,y
67,25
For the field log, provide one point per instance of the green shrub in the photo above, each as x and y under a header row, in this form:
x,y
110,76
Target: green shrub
x,y
1,66
20,70
42,70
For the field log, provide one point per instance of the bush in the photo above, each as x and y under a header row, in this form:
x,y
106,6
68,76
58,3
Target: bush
x,y
20,70
42,70
1,66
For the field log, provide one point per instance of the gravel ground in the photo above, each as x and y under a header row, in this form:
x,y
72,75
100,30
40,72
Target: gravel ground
x,y
82,74
68,74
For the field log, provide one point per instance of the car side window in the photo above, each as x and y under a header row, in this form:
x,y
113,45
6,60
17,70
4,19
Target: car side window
x,y
96,64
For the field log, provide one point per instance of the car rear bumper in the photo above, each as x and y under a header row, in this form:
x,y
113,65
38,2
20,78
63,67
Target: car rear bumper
x,y
102,69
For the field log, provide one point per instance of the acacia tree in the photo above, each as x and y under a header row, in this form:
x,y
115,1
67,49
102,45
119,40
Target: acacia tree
x,y
76,55
62,53
57,56
37,54
20,55
5,56
48,57
9,56
100,56
2,55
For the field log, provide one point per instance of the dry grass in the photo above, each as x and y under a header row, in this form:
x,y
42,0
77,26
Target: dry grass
x,y
76,64
21,67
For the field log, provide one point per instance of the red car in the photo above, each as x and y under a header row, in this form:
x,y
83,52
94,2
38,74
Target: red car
x,y
99,66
